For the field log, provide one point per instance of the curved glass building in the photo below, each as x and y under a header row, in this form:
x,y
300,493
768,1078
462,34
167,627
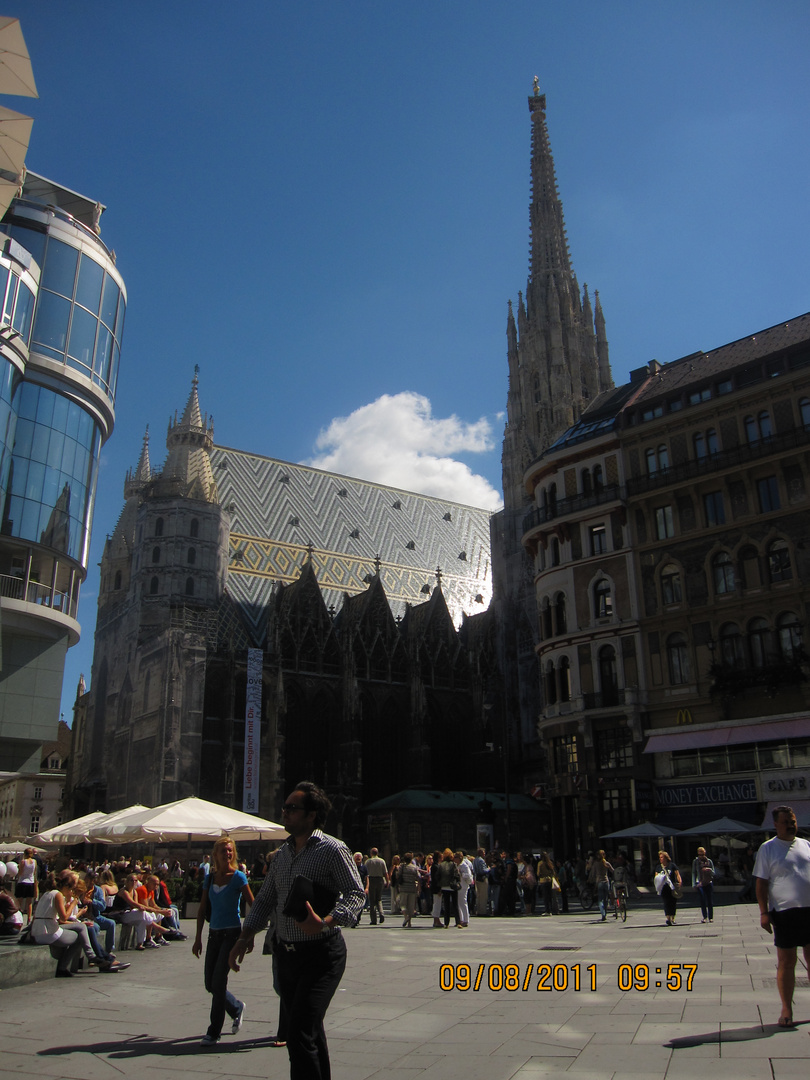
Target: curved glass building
x,y
62,306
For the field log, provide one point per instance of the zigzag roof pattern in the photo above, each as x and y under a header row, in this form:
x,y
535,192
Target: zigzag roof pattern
x,y
283,513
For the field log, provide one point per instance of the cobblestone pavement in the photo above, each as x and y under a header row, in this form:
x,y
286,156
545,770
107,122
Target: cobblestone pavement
x,y
566,994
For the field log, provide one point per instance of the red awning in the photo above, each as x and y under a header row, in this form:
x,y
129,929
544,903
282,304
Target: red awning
x,y
694,738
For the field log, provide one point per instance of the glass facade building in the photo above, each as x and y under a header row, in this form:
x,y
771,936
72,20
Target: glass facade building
x,y
62,307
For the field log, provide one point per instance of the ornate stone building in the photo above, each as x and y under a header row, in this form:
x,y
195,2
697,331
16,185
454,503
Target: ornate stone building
x,y
370,606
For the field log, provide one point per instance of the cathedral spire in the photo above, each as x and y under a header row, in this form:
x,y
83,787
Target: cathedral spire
x,y
190,442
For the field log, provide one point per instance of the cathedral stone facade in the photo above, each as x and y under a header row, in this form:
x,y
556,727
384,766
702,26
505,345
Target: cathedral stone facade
x,y
370,606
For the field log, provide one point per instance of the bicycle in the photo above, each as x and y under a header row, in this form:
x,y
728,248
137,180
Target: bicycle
x,y
619,898
587,896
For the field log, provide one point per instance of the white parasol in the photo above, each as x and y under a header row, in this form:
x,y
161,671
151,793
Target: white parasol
x,y
189,819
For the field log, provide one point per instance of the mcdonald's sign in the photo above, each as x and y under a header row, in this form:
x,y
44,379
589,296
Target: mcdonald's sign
x,y
684,717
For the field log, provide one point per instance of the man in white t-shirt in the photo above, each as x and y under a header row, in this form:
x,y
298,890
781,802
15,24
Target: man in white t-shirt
x,y
782,875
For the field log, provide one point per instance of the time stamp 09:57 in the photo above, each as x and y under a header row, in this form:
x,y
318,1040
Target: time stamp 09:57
x,y
561,977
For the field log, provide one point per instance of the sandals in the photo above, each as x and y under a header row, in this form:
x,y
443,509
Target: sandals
x,y
786,1022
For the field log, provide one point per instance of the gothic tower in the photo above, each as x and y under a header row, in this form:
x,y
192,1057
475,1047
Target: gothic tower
x,y
557,354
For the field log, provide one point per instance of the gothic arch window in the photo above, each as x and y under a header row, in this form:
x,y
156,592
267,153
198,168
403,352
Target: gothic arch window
x,y
153,587
678,659
779,567
790,636
194,529
190,586
671,592
705,444
602,599
608,676
159,527
117,581
155,554
732,653
191,557
565,679
561,624
758,642
723,573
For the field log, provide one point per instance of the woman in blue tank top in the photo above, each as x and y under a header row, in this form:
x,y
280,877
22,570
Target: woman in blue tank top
x,y
224,887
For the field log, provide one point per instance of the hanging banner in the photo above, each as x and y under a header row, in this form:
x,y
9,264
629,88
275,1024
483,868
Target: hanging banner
x,y
253,713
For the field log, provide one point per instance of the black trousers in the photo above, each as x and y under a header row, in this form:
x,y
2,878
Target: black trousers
x,y
308,977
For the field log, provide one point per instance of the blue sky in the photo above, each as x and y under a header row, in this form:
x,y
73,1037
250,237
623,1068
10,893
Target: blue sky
x,y
325,206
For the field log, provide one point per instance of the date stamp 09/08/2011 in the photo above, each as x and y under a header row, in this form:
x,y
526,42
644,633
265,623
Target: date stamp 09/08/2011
x,y
561,977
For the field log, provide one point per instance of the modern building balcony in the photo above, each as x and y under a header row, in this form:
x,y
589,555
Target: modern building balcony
x,y
719,462
574,504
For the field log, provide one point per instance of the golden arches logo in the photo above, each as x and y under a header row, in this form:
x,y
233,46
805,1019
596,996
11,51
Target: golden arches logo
x,y
684,717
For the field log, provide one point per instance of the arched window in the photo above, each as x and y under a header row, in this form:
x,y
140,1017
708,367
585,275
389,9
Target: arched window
x,y
155,554
547,627
559,614
732,653
712,445
551,500
117,580
602,599
191,557
758,427
764,425
779,566
598,482
723,573
194,529
551,684
699,442
804,411
608,678
587,485
159,527
657,459
190,586
153,587
555,551
565,679
671,585
758,642
790,636
678,659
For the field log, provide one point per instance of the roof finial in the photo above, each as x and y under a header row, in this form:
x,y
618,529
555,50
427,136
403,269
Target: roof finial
x,y
536,86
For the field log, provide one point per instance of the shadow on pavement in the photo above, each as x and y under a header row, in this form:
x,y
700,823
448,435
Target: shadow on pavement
x,y
144,1045
737,1035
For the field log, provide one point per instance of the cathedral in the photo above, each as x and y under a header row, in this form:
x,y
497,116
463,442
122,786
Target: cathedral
x,y
369,607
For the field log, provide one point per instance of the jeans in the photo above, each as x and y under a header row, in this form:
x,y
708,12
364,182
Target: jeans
x,y
603,893
308,978
220,943
706,905
107,927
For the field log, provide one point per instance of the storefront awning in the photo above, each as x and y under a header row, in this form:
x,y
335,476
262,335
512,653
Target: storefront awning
x,y
697,738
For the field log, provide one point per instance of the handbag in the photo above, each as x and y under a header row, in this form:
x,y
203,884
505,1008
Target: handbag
x,y
555,885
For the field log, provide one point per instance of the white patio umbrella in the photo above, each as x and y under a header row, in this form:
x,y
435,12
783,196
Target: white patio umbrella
x,y
189,819
16,73
114,818
16,77
70,832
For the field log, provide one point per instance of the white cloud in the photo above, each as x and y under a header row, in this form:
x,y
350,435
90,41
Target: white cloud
x,y
396,440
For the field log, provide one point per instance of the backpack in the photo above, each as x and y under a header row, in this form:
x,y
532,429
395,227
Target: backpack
x,y
706,872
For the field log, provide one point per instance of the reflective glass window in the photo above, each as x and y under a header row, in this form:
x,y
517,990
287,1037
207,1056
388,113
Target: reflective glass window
x,y
23,312
82,337
109,302
91,278
5,273
103,356
59,272
51,325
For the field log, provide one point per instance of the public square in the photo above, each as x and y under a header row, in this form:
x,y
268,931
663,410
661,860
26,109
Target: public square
x,y
391,1019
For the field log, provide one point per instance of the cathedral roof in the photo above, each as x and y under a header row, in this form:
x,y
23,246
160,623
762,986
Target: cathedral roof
x,y
282,514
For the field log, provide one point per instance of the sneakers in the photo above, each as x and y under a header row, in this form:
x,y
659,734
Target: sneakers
x,y
151,945
208,1040
237,1020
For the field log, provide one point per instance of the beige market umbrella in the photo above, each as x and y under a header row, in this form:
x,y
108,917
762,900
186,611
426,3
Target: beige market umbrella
x,y
16,73
189,819
70,832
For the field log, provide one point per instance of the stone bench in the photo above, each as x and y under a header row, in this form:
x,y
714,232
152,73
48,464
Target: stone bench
x,y
21,964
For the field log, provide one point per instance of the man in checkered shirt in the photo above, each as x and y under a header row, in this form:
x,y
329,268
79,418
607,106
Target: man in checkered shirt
x,y
311,955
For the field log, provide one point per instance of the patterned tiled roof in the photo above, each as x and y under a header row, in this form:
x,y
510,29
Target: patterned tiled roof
x,y
279,510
